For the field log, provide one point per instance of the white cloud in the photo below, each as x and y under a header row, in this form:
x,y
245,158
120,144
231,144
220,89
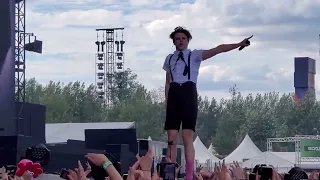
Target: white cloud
x,y
281,29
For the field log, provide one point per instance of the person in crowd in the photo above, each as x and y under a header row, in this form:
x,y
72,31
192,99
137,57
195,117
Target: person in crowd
x,y
181,97
141,170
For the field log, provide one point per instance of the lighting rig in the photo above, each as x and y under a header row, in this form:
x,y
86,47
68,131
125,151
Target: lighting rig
x,y
23,42
109,60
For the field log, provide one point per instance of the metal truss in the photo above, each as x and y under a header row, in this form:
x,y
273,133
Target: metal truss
x,y
106,62
297,140
20,41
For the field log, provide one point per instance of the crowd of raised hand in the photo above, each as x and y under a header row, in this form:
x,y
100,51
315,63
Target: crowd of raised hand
x,y
141,170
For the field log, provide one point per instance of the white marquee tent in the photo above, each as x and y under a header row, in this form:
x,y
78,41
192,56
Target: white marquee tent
x,y
270,158
246,150
201,152
291,157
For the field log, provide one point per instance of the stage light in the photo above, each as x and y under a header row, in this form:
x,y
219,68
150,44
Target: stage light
x,y
100,66
101,94
39,153
100,56
117,43
102,45
98,44
122,43
119,65
100,85
100,75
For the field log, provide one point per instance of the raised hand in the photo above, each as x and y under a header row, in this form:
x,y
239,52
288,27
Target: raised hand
x,y
78,173
245,43
146,161
223,172
133,169
4,175
97,159
236,171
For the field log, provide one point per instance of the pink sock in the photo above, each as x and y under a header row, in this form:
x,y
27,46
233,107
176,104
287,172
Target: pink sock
x,y
189,170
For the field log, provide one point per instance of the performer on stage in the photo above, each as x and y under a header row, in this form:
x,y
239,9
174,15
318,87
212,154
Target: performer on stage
x,y
182,69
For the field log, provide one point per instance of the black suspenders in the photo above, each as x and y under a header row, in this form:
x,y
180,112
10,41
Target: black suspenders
x,y
189,70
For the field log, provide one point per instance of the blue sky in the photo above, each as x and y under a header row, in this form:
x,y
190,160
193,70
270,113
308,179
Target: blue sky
x,y
282,30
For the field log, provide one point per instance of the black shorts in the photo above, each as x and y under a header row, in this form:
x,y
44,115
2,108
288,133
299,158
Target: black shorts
x,y
182,106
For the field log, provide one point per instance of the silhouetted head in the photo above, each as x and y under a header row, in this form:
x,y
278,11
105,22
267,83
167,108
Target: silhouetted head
x,y
297,173
180,37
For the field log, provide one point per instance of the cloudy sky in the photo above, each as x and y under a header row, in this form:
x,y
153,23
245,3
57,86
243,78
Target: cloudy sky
x,y
282,30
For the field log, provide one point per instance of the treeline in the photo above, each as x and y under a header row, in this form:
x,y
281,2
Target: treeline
x,y
222,122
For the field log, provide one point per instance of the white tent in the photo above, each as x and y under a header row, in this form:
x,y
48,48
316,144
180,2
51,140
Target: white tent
x,y
246,150
201,152
269,158
61,132
149,138
291,156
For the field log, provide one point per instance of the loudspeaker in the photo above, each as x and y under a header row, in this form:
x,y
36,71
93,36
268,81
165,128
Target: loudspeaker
x,y
12,148
35,46
99,138
76,143
66,156
33,122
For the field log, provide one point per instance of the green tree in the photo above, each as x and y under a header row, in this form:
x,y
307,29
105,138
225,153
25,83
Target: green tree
x,y
124,84
223,122
232,119
208,118
66,103
34,91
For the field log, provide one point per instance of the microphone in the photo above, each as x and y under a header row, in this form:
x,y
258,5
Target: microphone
x,y
242,47
247,42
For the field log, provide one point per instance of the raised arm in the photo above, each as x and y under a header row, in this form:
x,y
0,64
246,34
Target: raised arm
x,y
207,54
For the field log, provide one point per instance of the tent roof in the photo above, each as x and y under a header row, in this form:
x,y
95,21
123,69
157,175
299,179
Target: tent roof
x,y
61,132
268,158
282,160
246,150
201,152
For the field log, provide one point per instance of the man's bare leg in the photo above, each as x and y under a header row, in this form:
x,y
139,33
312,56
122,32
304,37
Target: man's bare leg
x,y
187,136
172,145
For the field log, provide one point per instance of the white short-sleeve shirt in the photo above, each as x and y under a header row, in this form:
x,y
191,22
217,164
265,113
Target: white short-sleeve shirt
x,y
177,69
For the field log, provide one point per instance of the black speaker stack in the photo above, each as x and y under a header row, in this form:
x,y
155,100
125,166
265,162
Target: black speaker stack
x,y
119,145
30,131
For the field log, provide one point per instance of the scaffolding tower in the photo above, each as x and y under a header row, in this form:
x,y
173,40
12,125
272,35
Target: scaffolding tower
x,y
23,42
20,67
108,61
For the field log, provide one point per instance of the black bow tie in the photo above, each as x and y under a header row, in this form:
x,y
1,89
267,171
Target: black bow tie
x,y
180,56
